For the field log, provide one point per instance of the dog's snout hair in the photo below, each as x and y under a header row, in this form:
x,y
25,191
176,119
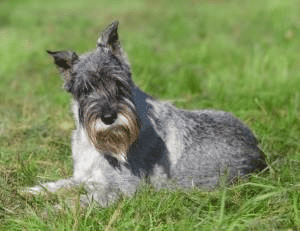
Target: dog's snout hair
x,y
113,134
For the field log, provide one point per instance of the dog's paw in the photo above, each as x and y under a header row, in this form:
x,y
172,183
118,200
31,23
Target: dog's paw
x,y
32,190
49,187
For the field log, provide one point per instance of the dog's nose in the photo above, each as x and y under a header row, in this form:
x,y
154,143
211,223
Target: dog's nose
x,y
109,118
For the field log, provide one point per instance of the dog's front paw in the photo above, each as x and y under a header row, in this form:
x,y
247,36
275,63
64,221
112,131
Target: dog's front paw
x,y
49,187
32,190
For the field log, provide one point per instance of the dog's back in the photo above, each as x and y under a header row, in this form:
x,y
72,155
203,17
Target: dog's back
x,y
205,145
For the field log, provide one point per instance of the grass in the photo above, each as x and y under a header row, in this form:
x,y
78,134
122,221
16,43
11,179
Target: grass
x,y
238,56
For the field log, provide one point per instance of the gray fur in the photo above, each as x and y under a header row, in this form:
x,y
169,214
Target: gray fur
x,y
174,147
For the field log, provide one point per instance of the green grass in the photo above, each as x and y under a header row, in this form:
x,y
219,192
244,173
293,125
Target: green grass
x,y
240,56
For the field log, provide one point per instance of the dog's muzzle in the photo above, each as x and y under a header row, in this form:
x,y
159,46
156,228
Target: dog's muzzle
x,y
114,132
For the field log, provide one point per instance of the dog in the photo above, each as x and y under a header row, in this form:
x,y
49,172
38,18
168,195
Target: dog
x,y
124,137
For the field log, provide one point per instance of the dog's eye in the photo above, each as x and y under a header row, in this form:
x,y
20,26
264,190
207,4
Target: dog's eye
x,y
120,95
116,61
79,85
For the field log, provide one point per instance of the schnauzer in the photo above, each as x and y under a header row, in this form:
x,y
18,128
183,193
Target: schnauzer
x,y
124,137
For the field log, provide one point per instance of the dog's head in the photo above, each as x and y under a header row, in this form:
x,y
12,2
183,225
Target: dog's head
x,y
100,82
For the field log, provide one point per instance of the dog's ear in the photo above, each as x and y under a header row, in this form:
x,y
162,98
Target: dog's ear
x,y
110,38
63,59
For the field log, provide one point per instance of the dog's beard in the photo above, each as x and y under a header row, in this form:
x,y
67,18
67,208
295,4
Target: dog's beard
x,y
115,139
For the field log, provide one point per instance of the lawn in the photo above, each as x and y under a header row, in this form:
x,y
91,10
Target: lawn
x,y
239,56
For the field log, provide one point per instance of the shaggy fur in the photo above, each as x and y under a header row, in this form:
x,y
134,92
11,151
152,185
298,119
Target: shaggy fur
x,y
124,137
